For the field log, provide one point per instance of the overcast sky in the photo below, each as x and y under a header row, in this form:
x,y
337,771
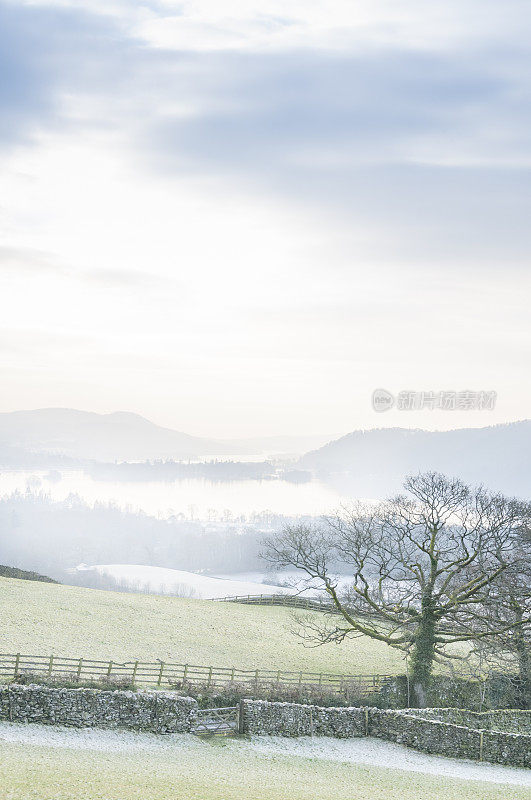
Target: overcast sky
x,y
240,217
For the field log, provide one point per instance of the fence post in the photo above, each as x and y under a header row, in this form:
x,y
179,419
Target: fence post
x,y
366,721
300,678
109,668
17,662
481,745
241,717
232,676
209,676
79,666
160,673
50,665
185,672
133,676
256,679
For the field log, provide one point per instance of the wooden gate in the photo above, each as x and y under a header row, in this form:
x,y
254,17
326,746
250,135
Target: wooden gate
x,y
217,722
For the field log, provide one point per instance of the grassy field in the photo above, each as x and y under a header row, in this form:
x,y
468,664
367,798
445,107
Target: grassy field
x,y
41,618
227,770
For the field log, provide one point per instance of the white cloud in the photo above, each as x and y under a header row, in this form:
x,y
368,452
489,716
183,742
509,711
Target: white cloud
x,y
254,25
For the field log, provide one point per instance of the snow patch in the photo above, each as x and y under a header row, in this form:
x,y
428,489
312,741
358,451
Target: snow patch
x,y
185,584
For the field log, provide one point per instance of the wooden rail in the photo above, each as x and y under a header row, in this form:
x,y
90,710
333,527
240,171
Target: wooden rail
x,y
319,603
296,601
167,674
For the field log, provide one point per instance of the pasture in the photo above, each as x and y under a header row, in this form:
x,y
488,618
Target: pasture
x,y
40,763
41,619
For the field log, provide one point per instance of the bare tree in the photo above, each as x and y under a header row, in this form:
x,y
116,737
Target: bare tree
x,y
419,568
508,601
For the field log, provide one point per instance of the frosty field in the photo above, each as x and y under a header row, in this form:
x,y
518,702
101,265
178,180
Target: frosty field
x,y
154,579
40,619
42,763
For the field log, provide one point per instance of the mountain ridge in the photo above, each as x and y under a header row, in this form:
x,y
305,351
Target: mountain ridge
x,y
374,462
127,436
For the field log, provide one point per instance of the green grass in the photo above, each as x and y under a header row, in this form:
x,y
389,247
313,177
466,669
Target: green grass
x,y
41,618
223,771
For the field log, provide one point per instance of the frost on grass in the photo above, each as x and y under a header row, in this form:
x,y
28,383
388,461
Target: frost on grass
x,y
371,752
390,755
42,618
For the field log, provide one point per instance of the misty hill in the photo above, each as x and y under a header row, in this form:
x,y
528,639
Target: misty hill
x,y
373,463
58,436
102,437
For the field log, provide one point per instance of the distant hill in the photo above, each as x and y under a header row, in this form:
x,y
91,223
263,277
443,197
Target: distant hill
x,y
58,436
373,463
119,436
23,575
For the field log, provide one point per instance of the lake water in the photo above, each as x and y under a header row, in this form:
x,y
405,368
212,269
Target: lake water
x,y
195,498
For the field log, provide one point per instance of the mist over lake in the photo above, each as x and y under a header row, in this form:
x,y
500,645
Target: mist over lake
x,y
194,498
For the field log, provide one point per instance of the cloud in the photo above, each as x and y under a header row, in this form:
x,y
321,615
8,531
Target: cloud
x,y
430,151
296,187
397,148
48,52
25,259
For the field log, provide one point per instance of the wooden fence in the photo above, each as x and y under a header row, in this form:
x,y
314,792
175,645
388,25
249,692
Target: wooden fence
x,y
295,601
166,674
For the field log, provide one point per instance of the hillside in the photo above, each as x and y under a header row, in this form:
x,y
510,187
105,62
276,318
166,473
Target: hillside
x,y
66,435
40,618
373,463
103,437
23,574
168,581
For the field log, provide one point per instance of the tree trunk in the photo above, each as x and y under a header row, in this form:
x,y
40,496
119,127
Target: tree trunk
x,y
423,654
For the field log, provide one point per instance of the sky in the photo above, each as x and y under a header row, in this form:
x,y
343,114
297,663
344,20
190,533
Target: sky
x,y
241,218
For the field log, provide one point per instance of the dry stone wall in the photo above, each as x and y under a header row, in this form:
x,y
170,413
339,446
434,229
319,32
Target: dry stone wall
x,y
504,720
291,719
503,737
157,712
426,730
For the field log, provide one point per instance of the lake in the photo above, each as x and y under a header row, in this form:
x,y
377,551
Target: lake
x,y
195,498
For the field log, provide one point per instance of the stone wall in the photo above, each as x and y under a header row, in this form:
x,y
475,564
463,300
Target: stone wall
x,y
430,736
427,730
157,712
505,720
291,719
502,737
